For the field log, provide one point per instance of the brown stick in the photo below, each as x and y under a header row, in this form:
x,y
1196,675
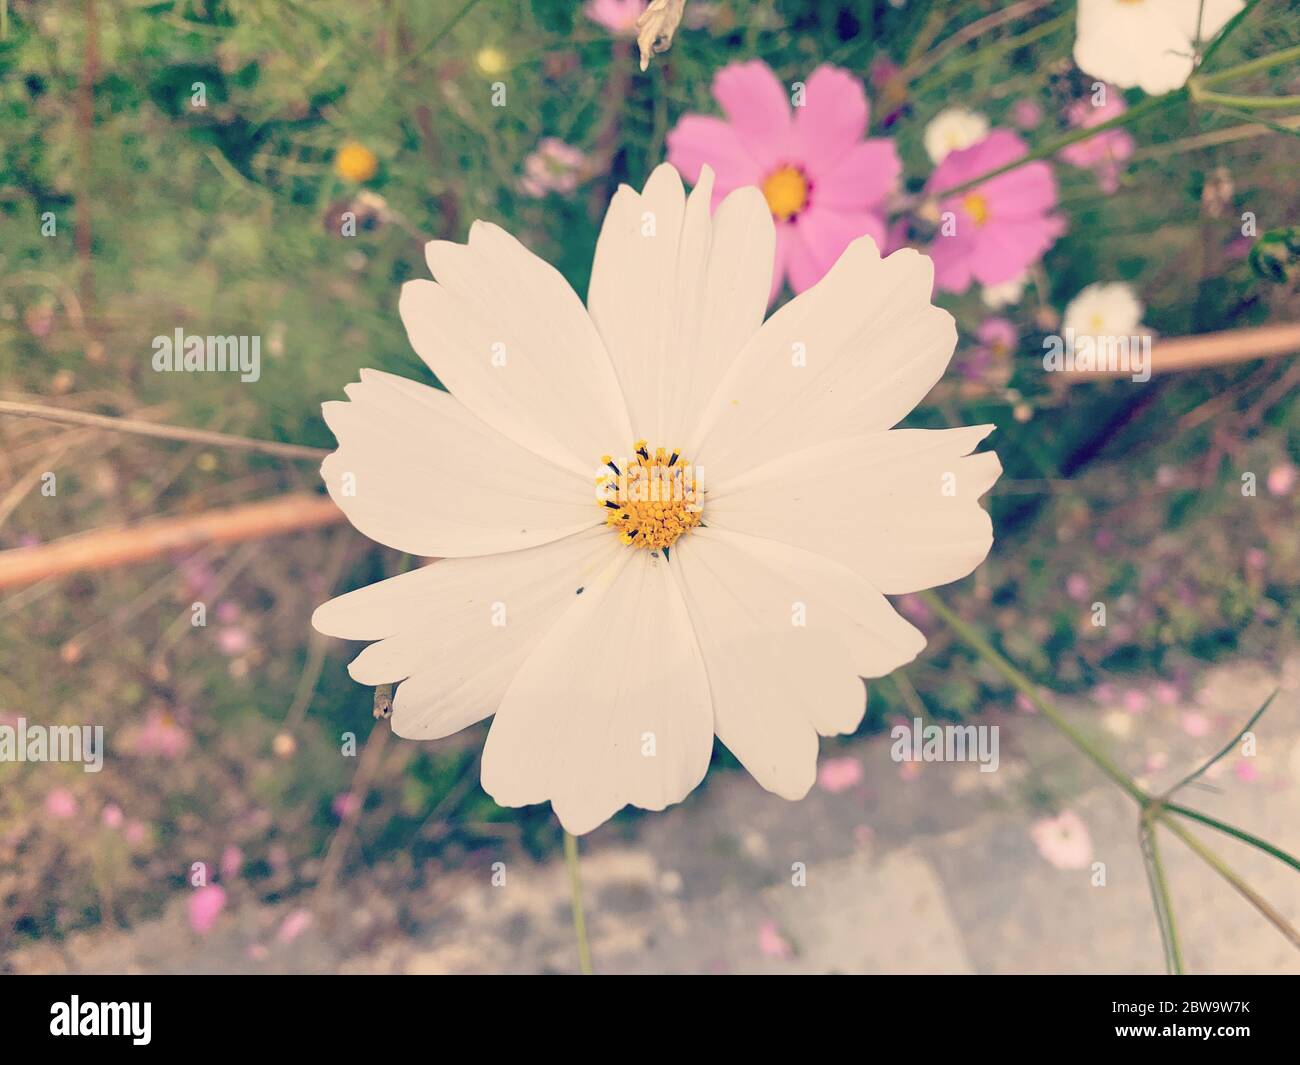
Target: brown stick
x,y
105,548
162,432
1211,349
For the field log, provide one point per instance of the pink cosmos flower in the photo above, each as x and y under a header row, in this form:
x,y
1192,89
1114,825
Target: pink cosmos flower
x,y
233,640
1195,724
1077,587
1136,702
617,16
989,362
1027,113
1103,152
160,735
1063,840
293,926
553,167
204,906
1001,226
1281,479
112,816
345,805
772,943
61,803
232,861
824,183
839,774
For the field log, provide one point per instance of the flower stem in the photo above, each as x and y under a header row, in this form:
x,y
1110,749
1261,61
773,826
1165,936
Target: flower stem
x,y
1254,66
1160,896
1154,810
575,887
1148,106
1248,103
1027,688
1236,833
1245,890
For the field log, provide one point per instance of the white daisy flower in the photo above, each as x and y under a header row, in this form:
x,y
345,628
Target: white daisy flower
x,y
952,130
611,633
1105,310
1147,43
997,297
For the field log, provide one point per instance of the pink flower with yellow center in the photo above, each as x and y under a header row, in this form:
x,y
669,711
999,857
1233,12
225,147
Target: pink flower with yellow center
x,y
994,231
804,148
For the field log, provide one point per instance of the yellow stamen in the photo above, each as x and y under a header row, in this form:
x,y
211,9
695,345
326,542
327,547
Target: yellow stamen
x,y
654,500
977,207
786,192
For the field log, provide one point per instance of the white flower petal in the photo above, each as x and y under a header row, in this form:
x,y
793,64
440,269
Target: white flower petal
x,y
853,354
618,671
417,471
459,629
510,339
675,294
1147,44
775,685
900,508
790,587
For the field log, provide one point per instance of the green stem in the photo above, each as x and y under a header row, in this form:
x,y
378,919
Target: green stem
x,y
1153,810
948,71
1163,903
575,887
1235,833
1148,106
1227,747
1245,890
1254,66
1224,33
1249,103
1026,687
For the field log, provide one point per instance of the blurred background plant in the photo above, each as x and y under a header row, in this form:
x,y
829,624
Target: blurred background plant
x,y
202,161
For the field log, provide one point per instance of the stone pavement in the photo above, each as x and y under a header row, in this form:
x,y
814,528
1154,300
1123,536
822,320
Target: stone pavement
x,y
924,868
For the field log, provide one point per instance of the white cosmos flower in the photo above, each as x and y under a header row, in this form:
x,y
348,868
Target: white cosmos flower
x,y
996,297
1105,309
612,654
952,130
1147,43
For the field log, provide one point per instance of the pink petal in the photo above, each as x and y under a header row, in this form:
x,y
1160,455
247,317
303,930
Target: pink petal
x,y
820,237
863,177
205,904
839,774
832,119
697,140
759,109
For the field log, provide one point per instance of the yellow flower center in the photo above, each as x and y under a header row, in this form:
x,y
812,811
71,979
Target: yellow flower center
x,y
490,60
786,192
355,162
977,207
650,499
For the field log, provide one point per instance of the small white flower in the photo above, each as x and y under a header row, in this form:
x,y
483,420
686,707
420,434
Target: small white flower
x,y
613,636
1147,43
1103,309
952,130
996,297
